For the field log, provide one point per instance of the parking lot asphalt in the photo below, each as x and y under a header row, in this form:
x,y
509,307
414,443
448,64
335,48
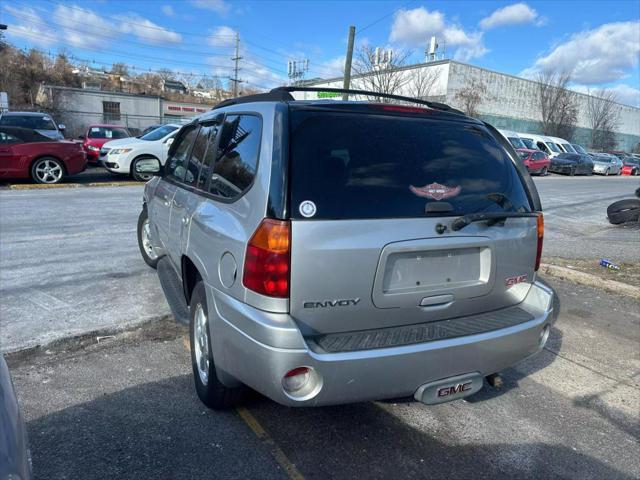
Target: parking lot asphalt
x,y
126,408
575,213
69,261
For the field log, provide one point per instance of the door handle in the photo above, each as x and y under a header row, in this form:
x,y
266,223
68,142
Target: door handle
x,y
177,205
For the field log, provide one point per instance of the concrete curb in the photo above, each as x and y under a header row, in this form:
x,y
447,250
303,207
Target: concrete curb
x,y
39,186
163,327
590,280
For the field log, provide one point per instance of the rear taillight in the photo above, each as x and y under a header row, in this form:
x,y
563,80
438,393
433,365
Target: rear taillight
x,y
540,238
266,264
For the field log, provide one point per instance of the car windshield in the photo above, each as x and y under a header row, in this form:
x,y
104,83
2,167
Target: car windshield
x,y
530,144
523,154
108,132
568,148
377,166
602,158
159,133
516,142
578,148
553,147
34,122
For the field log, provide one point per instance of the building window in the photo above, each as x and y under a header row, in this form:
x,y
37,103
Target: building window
x,y
111,111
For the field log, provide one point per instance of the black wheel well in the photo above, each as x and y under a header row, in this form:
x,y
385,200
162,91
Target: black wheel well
x,y
190,277
144,155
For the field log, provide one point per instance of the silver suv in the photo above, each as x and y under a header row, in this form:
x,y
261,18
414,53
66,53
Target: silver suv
x,y
326,252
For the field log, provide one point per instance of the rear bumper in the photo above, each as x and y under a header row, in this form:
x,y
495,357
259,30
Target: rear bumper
x,y
258,348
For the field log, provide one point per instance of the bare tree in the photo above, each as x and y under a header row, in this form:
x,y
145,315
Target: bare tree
x,y
558,104
422,81
471,96
378,76
603,117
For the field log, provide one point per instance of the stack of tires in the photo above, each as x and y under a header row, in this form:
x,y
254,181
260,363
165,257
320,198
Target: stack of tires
x,y
624,211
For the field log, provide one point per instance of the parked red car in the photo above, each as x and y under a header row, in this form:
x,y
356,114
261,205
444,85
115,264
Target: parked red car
x,y
536,161
25,153
98,135
630,166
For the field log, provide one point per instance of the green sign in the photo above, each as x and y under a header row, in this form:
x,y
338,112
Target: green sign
x,y
329,94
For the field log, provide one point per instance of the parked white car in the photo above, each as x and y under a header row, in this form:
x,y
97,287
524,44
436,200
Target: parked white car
x,y
543,143
513,137
564,145
120,156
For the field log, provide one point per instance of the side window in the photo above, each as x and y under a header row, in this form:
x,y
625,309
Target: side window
x,y
5,139
176,163
209,157
197,155
237,156
538,156
543,147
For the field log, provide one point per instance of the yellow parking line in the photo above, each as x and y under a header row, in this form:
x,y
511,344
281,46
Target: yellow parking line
x,y
280,457
252,422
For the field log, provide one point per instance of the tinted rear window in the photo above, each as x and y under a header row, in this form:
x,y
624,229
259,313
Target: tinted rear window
x,y
36,122
377,166
108,132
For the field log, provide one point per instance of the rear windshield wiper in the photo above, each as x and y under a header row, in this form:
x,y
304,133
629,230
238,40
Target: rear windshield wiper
x,y
490,217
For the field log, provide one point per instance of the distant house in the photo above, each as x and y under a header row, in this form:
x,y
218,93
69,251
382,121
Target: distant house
x,y
174,86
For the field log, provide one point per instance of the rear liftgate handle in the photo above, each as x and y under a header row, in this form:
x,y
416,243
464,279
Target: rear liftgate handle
x,y
436,302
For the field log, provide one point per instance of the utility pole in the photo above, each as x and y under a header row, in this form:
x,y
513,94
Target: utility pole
x,y
236,59
347,63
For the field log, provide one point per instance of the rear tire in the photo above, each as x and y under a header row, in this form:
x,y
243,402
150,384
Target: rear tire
x,y
147,250
572,171
543,172
606,173
47,170
210,390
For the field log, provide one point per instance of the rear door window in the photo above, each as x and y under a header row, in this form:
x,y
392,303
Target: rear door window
x,y
237,157
176,168
353,166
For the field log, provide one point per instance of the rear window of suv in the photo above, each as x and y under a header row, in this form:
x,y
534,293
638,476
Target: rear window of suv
x,y
355,166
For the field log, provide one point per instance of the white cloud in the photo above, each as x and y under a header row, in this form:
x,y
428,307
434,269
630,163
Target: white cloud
x,y
329,68
222,36
516,14
627,94
146,30
218,6
415,28
601,55
624,93
74,24
168,10
30,27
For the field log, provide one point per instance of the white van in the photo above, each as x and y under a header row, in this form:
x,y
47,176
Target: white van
x,y
513,138
564,145
543,143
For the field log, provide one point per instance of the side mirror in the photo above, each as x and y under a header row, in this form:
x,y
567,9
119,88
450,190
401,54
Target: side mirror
x,y
149,165
62,127
168,142
81,137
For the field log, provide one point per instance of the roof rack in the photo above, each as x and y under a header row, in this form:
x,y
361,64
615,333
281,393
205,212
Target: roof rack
x,y
282,94
434,105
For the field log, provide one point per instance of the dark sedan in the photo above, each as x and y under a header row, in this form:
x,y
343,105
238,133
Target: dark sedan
x,y
572,164
25,153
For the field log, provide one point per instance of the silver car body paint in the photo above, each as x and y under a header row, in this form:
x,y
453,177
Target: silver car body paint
x,y
256,339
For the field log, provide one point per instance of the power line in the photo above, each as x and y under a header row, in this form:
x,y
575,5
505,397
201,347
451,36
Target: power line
x,y
375,22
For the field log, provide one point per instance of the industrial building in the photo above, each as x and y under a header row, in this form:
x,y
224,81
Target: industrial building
x,y
507,102
78,107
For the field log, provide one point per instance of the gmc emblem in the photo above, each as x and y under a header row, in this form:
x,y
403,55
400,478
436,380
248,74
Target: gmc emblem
x,y
459,388
511,281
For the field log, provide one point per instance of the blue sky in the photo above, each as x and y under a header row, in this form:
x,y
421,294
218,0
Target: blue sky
x,y
599,41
